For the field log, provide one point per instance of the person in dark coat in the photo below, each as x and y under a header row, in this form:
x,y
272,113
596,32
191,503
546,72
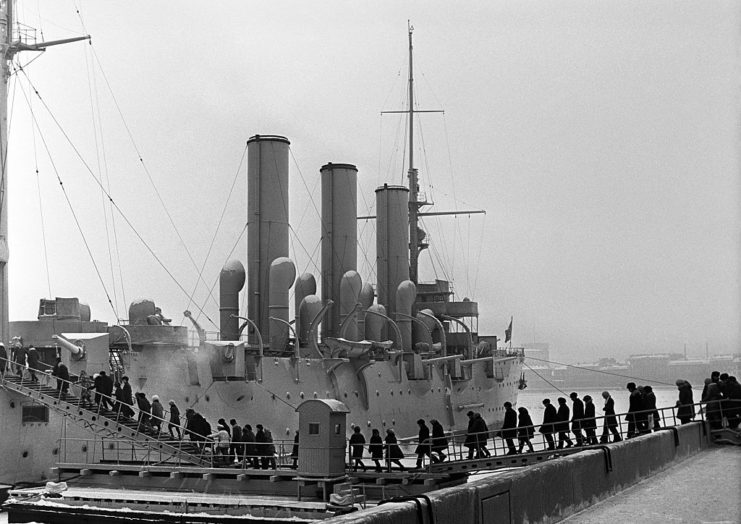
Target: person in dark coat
x,y
3,359
424,444
222,422
685,404
145,411
635,406
174,423
250,451
237,446
393,451
649,401
106,384
482,436
126,394
62,373
509,428
732,402
357,442
525,429
471,441
550,419
589,422
610,422
577,414
32,357
294,452
712,400
265,447
20,358
439,440
563,424
376,449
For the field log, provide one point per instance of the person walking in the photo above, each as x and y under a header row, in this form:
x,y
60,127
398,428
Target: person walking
x,y
424,444
635,406
649,400
610,422
357,442
294,452
145,412
376,449
589,422
509,428
685,404
577,415
32,358
439,441
563,424
106,385
221,444
550,419
158,414
3,360
127,397
174,423
471,441
525,429
393,451
237,447
62,374
482,436
250,451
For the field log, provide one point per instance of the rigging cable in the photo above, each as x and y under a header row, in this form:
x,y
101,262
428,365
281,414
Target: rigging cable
x,y
113,203
154,186
69,202
213,238
103,172
547,381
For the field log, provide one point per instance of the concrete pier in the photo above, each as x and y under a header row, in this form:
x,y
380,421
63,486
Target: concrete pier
x,y
702,488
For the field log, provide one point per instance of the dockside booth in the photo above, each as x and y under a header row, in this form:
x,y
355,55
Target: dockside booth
x,y
322,438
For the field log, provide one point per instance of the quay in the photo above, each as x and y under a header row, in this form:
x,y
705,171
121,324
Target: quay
x,y
703,488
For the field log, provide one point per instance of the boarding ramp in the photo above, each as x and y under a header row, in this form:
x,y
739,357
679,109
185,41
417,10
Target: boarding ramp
x,y
100,420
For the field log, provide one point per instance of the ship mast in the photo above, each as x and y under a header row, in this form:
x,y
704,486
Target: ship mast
x,y
9,47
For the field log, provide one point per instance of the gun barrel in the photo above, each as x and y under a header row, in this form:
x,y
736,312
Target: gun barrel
x,y
69,346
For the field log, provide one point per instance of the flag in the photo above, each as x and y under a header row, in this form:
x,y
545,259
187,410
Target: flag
x,y
508,331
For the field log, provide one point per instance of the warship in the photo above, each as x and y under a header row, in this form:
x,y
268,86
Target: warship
x,y
393,351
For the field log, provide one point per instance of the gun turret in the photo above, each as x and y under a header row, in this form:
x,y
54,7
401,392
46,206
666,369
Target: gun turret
x,y
77,352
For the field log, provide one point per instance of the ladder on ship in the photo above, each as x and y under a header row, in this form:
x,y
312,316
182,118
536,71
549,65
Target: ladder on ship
x,y
103,422
115,359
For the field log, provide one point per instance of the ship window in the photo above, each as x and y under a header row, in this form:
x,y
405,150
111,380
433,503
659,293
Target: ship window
x,y
337,429
313,428
33,414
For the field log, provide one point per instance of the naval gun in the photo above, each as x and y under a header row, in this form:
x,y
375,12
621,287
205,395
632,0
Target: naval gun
x,y
76,352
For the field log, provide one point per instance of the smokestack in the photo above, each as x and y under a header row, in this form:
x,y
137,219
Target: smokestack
x,y
339,235
267,232
392,243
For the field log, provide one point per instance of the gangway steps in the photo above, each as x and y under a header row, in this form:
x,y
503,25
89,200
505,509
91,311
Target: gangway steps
x,y
101,422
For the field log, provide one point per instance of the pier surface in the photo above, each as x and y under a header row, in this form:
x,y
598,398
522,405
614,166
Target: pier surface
x,y
703,488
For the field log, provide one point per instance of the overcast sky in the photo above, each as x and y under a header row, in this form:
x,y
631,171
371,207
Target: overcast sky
x,y
602,138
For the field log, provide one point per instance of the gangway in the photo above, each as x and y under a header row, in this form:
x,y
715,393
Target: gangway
x,y
101,421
